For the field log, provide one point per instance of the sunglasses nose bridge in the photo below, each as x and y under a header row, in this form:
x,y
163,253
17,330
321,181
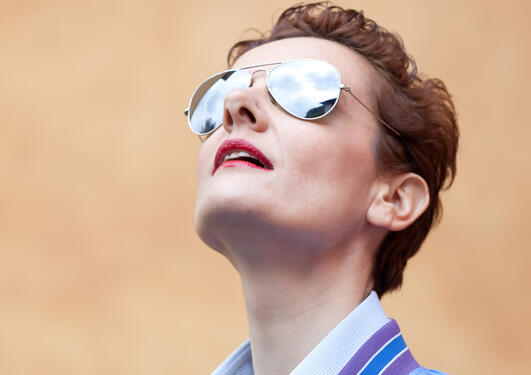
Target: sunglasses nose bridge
x,y
256,71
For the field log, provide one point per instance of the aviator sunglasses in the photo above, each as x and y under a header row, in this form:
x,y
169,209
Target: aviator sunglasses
x,y
306,89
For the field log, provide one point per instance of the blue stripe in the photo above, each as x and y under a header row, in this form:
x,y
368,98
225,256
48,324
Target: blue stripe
x,y
385,356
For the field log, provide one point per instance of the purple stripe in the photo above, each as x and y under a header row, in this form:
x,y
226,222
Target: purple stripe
x,y
404,364
370,348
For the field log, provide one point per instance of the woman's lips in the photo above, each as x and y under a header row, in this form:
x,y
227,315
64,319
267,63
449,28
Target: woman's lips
x,y
232,149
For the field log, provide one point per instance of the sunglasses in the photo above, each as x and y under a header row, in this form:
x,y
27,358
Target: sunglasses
x,y
306,89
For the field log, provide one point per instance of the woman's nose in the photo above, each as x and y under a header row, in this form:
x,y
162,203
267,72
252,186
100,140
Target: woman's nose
x,y
246,107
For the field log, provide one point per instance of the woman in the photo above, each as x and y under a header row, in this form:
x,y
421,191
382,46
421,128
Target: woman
x,y
318,179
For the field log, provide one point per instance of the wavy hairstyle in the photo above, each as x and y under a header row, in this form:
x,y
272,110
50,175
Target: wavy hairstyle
x,y
419,108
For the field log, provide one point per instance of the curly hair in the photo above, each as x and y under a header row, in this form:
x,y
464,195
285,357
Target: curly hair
x,y
419,108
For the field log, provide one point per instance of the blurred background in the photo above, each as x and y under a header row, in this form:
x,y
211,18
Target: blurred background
x,y
100,269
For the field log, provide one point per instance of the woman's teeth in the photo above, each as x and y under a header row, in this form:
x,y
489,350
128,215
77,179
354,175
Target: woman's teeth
x,y
237,154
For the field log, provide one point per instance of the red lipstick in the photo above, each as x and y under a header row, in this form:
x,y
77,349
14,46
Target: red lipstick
x,y
248,156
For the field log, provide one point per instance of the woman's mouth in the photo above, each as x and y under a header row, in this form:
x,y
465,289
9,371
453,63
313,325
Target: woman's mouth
x,y
239,152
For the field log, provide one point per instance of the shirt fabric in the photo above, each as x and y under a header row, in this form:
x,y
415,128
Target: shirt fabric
x,y
366,342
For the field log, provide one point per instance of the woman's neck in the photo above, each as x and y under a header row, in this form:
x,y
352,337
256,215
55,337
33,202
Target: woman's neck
x,y
290,310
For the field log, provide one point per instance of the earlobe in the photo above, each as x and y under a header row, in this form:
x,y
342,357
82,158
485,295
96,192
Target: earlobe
x,y
398,201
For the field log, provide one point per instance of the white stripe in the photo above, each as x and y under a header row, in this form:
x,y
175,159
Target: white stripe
x,y
375,354
394,359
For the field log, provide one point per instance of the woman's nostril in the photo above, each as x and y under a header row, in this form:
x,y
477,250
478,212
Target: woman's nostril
x,y
227,118
244,112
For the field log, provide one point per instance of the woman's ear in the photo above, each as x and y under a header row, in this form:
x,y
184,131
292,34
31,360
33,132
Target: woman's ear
x,y
398,201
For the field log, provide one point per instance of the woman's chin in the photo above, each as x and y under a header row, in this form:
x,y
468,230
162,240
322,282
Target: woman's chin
x,y
216,219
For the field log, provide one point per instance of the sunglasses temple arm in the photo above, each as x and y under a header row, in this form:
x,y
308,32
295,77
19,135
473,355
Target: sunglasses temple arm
x,y
347,89
410,160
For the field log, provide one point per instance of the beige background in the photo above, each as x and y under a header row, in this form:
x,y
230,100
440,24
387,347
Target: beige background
x,y
100,269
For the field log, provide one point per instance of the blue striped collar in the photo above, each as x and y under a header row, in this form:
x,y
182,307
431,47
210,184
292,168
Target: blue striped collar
x,y
366,342
385,353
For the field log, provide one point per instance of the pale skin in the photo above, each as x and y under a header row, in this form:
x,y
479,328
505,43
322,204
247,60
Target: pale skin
x,y
303,235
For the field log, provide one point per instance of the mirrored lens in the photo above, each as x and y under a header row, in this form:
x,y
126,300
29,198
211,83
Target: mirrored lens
x,y
206,107
305,88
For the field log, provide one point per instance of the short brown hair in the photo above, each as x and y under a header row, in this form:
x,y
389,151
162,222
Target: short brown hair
x,y
420,109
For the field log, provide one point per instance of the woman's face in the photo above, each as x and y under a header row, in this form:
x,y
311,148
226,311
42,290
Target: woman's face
x,y
318,188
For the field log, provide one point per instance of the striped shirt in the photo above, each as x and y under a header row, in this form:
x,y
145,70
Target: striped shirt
x,y
366,342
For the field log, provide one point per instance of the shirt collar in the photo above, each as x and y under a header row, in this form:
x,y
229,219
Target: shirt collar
x,y
332,353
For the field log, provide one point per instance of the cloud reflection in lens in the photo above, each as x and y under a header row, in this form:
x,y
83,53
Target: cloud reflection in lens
x,y
208,113
305,88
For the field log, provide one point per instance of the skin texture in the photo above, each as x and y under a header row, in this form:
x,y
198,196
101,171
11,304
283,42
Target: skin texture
x,y
303,235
